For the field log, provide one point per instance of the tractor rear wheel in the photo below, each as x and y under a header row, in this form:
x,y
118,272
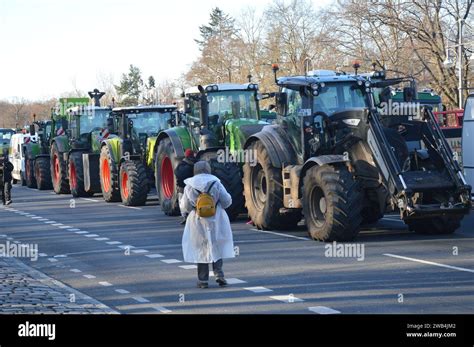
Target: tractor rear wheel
x,y
108,176
133,183
76,176
436,225
30,173
332,203
43,173
59,172
231,178
165,180
263,189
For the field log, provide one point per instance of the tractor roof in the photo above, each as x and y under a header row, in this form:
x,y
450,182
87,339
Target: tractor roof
x,y
140,109
218,87
328,76
87,109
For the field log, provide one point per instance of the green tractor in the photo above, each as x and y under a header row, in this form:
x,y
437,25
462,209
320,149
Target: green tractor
x,y
79,133
37,155
127,155
218,119
336,158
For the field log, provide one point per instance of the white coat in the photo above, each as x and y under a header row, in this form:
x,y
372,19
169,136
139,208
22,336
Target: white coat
x,y
206,240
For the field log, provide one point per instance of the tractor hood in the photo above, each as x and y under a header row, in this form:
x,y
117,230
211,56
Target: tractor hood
x,y
239,130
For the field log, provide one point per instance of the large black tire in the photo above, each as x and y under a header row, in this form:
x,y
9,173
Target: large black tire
x,y
109,182
76,176
43,173
231,178
263,190
134,185
59,172
435,225
332,203
30,173
165,180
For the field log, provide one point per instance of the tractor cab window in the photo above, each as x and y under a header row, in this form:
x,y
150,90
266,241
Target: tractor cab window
x,y
147,124
6,134
231,105
95,120
335,97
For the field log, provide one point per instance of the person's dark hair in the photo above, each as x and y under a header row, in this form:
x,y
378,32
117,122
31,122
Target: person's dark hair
x,y
202,167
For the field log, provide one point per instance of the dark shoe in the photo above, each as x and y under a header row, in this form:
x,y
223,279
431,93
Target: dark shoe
x,y
8,202
222,282
202,285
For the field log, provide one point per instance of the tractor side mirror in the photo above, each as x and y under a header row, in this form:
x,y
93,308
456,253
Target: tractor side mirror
x,y
409,94
32,130
187,106
282,101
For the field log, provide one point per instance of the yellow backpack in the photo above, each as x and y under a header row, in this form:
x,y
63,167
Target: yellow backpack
x,y
205,204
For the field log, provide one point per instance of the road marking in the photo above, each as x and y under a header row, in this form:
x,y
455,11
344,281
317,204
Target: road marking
x,y
91,235
113,243
140,299
235,281
75,270
57,224
284,235
429,263
30,215
73,229
171,261
188,267
140,251
93,200
52,260
162,309
258,289
82,232
39,218
43,255
122,291
65,227
126,247
50,222
102,239
323,310
60,256
89,276
105,284
287,298
153,256
43,220
132,207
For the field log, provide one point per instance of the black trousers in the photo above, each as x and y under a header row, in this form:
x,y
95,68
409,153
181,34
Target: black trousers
x,y
203,270
6,192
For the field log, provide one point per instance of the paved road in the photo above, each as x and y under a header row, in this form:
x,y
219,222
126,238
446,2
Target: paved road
x,y
130,260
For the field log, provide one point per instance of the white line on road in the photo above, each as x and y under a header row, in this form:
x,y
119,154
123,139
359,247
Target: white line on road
x,y
284,235
39,218
73,229
43,220
105,284
75,270
50,222
91,235
124,247
429,263
43,255
162,309
235,281
52,260
82,232
323,310
57,224
188,267
140,299
61,256
114,243
93,200
132,207
171,261
287,298
140,251
122,291
153,256
65,227
101,239
89,276
258,289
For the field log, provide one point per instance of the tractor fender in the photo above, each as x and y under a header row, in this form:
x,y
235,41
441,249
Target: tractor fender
x,y
62,143
277,144
319,161
179,137
114,145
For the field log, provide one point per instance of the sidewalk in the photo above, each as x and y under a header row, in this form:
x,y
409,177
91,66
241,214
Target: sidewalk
x,y
24,290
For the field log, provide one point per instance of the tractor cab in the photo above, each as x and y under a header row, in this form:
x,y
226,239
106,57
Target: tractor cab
x,y
222,115
86,124
5,138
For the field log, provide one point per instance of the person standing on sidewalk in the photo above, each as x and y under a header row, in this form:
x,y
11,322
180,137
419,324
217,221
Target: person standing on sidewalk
x,y
183,171
6,169
206,240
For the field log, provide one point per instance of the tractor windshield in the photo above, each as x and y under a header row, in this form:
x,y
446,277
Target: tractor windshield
x,y
235,104
6,134
335,97
151,123
97,120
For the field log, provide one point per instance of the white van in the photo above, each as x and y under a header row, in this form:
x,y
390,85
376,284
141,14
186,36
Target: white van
x,y
16,156
468,140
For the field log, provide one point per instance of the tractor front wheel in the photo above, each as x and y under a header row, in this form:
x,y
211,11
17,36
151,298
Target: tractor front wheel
x,y
30,173
134,185
76,176
43,173
165,180
332,203
108,176
59,172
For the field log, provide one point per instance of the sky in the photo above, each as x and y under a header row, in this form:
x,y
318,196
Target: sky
x,y
49,47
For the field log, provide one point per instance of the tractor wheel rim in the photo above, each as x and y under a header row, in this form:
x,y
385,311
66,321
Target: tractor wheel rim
x,y
56,168
167,178
125,185
73,175
259,189
106,175
318,206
